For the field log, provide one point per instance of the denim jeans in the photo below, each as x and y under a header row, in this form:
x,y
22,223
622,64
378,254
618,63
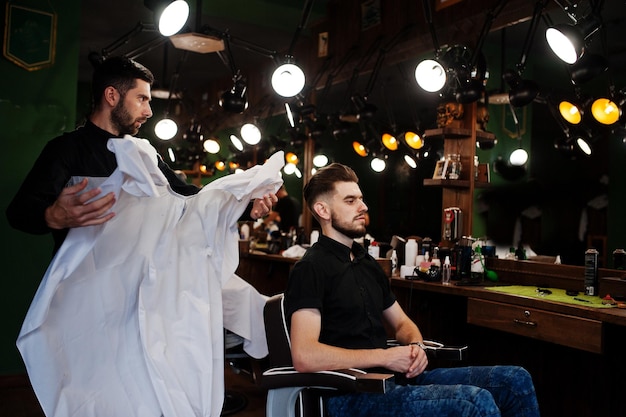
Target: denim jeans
x,y
471,391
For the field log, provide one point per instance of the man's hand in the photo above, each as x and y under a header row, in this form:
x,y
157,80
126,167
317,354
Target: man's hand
x,y
410,360
262,206
71,210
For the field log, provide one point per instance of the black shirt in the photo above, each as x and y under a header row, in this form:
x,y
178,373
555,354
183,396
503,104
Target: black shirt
x,y
350,295
82,152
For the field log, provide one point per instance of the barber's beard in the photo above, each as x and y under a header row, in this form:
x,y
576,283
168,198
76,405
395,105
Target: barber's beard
x,y
349,229
123,120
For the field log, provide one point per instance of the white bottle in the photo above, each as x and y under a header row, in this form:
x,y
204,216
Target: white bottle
x,y
315,234
410,252
446,271
394,263
245,232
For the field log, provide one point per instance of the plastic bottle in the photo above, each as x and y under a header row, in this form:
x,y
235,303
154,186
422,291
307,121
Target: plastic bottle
x,y
410,252
245,231
315,234
446,271
394,263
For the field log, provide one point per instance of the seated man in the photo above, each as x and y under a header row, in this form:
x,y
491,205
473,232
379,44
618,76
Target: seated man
x,y
338,301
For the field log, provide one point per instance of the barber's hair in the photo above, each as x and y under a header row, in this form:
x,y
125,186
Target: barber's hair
x,y
324,180
119,72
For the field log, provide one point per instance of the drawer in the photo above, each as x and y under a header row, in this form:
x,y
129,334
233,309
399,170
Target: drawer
x,y
572,331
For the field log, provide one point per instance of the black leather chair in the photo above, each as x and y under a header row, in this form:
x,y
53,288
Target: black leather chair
x,y
292,393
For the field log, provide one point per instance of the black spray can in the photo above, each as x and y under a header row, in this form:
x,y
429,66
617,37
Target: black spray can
x,y
591,272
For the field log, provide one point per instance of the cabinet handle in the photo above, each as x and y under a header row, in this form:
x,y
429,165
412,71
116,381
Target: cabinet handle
x,y
525,322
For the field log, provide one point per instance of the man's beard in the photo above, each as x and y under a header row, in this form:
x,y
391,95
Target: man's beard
x,y
350,230
123,120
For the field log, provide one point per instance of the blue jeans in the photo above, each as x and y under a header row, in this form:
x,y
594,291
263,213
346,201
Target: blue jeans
x,y
467,392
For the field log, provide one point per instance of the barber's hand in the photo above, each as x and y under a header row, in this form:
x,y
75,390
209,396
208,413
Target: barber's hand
x,y
262,206
71,210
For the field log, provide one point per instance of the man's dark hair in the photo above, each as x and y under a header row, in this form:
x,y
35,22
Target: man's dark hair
x,y
323,181
119,72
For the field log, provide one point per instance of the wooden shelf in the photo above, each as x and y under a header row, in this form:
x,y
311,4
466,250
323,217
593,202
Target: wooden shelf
x,y
448,133
446,183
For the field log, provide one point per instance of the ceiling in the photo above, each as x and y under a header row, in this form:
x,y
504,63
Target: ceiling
x,y
271,25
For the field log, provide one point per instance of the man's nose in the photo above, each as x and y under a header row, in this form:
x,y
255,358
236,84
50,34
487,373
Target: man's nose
x,y
148,112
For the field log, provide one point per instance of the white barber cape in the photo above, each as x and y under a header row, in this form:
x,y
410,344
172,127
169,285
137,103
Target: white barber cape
x,y
128,318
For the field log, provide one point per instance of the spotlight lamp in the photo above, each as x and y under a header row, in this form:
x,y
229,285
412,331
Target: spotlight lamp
x,y
165,129
211,146
250,134
288,79
291,158
410,160
431,75
378,164
236,142
518,157
413,140
568,41
606,111
571,112
220,165
320,160
170,16
235,100
522,92
390,142
360,149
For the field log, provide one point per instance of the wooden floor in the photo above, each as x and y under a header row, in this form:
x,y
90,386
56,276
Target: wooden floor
x,y
18,400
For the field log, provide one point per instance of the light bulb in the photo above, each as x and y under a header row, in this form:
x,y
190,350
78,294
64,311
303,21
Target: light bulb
x,y
518,157
430,75
165,129
378,165
173,18
561,45
211,146
250,134
288,80
320,160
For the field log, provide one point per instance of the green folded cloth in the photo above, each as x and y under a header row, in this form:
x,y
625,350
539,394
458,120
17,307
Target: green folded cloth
x,y
552,294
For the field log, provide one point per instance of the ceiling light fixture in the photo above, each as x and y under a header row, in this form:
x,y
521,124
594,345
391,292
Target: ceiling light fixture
x,y
567,41
250,134
571,112
170,16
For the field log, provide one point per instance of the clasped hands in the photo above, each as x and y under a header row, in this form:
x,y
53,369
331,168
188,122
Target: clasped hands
x,y
72,209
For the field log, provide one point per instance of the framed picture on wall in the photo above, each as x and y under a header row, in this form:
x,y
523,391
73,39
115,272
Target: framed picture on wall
x,y
440,169
29,37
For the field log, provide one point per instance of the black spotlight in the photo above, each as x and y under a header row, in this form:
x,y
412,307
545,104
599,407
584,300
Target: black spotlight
x,y
235,100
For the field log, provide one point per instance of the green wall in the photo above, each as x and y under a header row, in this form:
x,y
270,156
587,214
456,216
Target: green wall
x,y
35,106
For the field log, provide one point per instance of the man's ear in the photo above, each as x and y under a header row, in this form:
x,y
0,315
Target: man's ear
x,y
111,95
322,210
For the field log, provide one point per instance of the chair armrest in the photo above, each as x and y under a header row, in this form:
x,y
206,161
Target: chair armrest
x,y
349,380
439,350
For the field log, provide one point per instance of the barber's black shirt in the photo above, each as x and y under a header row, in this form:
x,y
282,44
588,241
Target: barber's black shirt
x,y
350,295
83,153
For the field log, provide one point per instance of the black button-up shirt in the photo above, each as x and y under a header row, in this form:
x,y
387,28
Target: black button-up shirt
x,y
351,295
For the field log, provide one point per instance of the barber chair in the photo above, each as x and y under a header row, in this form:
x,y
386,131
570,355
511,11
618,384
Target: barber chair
x,y
292,393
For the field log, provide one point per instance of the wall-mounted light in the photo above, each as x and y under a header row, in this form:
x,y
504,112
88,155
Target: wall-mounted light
x,y
522,92
220,165
518,157
170,16
431,75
